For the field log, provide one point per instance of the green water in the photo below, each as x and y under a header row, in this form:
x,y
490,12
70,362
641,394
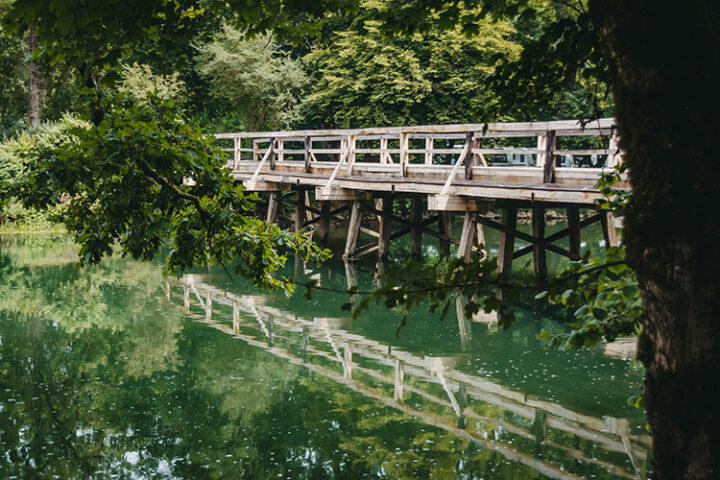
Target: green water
x,y
114,372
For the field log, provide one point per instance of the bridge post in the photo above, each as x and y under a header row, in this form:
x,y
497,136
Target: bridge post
x,y
428,150
467,237
445,228
385,205
404,154
323,230
614,155
353,234
299,210
280,153
507,241
416,217
471,157
573,220
271,159
545,157
308,157
236,152
273,204
539,255
607,222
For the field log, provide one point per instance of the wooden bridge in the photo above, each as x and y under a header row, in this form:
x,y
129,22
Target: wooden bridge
x,y
441,170
542,435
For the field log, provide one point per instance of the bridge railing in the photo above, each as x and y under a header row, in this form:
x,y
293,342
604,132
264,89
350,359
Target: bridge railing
x,y
539,145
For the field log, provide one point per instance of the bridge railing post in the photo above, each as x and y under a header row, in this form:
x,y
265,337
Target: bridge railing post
x,y
545,155
384,155
429,150
614,154
404,154
470,161
308,147
236,152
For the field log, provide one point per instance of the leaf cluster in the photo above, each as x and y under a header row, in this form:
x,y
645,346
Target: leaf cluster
x,y
145,178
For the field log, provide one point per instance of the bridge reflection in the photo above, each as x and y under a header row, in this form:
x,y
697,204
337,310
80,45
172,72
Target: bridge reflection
x,y
543,435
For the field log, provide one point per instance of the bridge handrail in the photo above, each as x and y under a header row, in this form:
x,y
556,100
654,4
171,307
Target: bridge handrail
x,y
562,127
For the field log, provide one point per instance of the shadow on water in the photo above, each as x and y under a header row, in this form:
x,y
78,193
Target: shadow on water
x,y
112,371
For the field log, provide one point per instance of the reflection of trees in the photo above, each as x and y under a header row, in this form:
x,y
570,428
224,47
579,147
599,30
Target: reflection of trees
x,y
99,376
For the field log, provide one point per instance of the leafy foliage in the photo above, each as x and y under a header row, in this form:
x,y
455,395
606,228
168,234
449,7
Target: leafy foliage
x,y
254,76
123,182
362,78
140,82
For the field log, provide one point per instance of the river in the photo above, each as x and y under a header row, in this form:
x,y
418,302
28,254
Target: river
x,y
114,371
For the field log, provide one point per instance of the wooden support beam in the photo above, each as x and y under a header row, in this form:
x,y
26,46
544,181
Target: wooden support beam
x,y
273,204
539,256
561,234
384,225
573,221
480,233
299,210
607,221
340,194
457,203
353,234
523,236
416,214
323,230
507,240
467,238
445,228
263,186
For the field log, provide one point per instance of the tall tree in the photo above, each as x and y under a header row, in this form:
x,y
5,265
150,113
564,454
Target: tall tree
x,y
33,81
667,105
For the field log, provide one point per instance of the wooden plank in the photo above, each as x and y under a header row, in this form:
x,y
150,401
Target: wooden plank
x,y
561,126
455,203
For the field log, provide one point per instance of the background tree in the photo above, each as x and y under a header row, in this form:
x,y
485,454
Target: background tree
x,y
254,76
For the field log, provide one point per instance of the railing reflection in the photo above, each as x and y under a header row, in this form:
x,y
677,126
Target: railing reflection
x,y
429,388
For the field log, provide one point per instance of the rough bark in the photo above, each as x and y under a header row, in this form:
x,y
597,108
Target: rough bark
x,y
664,59
33,82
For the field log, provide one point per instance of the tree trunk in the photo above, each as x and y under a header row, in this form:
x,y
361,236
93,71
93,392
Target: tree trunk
x,y
33,87
664,60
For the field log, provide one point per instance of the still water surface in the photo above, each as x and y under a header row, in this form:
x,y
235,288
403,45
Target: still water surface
x,y
114,372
